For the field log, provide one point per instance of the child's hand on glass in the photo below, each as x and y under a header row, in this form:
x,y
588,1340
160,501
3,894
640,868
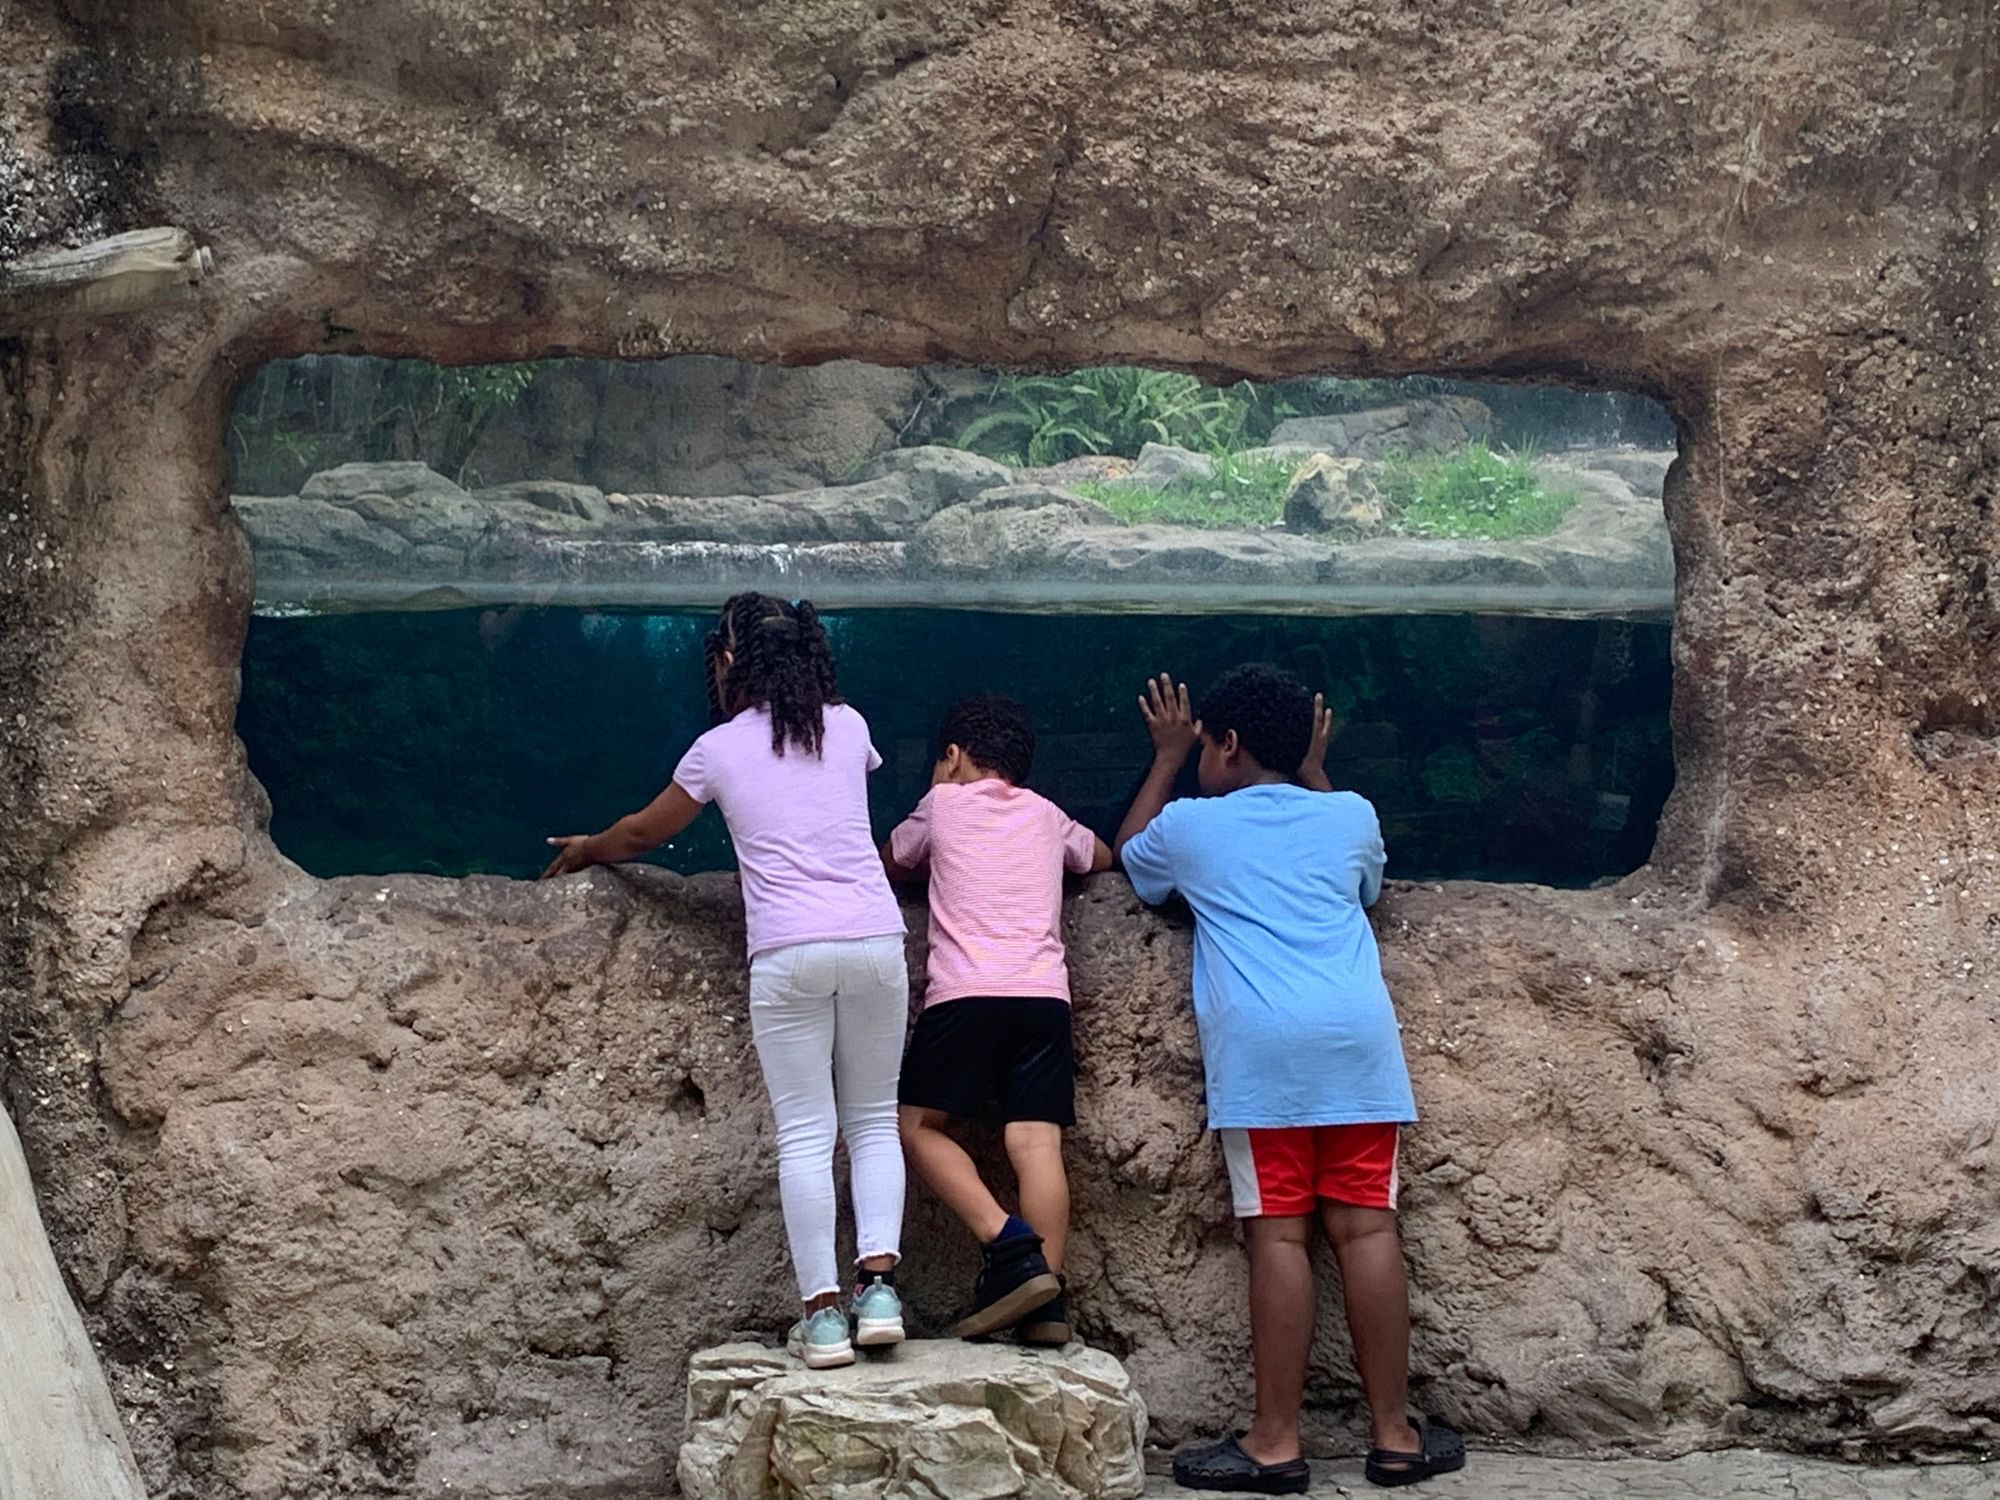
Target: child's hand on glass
x,y
1312,770
1169,719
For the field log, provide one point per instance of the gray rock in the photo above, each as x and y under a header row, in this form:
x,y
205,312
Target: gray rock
x,y
348,482
1162,464
584,502
1645,469
1006,532
292,535
1089,466
938,476
1333,495
936,1417
1432,424
881,510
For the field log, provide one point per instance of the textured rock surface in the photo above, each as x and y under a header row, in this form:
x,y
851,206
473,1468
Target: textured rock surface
x,y
1435,424
935,1417
1707,1157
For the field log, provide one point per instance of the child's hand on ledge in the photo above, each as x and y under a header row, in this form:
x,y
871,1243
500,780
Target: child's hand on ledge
x,y
1312,770
572,854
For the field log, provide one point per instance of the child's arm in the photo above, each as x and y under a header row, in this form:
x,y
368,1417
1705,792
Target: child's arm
x,y
1101,857
1312,770
1175,733
894,869
631,836
908,848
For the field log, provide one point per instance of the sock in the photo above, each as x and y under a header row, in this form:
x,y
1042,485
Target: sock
x,y
1013,1229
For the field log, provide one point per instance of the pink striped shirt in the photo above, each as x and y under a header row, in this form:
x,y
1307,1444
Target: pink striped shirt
x,y
997,853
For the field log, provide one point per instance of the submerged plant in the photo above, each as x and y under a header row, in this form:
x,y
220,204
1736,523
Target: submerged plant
x,y
1473,492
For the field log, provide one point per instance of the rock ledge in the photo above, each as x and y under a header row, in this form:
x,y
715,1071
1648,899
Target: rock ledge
x,y
934,1417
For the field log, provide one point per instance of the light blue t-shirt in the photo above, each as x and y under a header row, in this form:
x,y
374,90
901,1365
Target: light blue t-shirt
x,y
1295,1021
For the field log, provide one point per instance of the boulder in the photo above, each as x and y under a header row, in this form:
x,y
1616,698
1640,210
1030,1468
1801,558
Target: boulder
x,y
295,537
1431,424
938,476
880,510
346,483
1335,495
1645,469
1014,529
934,1418
1162,464
1088,466
583,502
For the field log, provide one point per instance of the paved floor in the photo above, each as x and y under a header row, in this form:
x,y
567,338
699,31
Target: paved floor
x,y
1704,1476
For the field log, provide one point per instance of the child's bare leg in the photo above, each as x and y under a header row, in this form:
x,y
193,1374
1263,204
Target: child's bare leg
x,y
1377,1290
949,1172
1281,1329
1034,1147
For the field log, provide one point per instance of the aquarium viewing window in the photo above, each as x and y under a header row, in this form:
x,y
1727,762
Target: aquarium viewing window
x,y
482,591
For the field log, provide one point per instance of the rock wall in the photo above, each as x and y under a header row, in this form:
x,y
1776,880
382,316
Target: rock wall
x,y
1707,1157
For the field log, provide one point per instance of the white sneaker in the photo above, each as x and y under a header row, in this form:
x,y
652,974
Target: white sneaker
x,y
878,1316
820,1341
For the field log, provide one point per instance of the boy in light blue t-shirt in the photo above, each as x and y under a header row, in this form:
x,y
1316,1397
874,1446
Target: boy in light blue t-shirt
x,y
1306,1082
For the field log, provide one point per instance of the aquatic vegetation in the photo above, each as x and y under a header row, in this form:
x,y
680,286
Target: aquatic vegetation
x,y
1242,491
1474,492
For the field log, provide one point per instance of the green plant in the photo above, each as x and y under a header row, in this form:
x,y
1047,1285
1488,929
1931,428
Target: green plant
x,y
1242,492
1114,409
1473,492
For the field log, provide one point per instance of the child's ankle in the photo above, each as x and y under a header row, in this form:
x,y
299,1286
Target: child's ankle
x,y
1015,1228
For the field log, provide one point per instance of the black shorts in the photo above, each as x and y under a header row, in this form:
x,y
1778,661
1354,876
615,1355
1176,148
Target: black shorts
x,y
964,1051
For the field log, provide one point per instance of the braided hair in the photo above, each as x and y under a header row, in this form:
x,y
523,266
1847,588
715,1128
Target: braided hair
x,y
779,659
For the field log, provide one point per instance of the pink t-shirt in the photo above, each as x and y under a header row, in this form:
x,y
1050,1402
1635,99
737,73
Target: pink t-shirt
x,y
811,872
997,854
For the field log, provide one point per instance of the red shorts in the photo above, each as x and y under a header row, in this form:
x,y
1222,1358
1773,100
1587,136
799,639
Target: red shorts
x,y
1279,1174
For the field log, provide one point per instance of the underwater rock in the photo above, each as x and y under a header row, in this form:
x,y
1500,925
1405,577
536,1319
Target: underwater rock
x,y
1430,424
1334,495
931,1417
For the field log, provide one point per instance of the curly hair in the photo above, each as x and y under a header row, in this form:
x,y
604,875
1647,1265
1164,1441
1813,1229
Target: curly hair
x,y
995,732
1270,710
780,659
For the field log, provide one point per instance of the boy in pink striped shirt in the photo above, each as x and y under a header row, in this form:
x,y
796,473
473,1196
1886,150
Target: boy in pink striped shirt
x,y
996,1005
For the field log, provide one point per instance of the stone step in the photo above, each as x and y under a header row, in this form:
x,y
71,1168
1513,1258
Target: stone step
x,y
929,1417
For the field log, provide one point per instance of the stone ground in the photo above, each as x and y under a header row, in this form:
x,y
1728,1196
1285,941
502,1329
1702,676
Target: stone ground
x,y
1506,1476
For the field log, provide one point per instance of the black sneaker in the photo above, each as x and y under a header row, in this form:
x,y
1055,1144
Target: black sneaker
x,y
1049,1323
1014,1282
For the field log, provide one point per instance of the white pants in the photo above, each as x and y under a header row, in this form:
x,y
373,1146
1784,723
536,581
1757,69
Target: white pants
x,y
828,1019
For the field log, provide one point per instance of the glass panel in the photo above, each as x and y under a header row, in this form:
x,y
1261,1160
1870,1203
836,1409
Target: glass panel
x,y
482,592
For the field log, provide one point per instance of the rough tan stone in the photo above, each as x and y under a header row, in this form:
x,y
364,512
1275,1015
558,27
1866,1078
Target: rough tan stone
x,y
933,1417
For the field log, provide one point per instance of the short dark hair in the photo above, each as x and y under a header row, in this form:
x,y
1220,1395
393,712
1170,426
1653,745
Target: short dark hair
x,y
1269,709
995,732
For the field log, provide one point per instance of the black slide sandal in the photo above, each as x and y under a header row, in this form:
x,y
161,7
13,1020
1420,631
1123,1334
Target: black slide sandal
x,y
1441,1450
1225,1466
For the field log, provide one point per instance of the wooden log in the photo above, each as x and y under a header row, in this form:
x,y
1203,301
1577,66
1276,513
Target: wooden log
x,y
142,268
60,1437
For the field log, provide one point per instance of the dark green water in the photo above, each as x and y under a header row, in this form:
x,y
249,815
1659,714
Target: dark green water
x,y
451,741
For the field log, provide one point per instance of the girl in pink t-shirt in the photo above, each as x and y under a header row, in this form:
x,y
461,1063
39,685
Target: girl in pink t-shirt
x,y
788,762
